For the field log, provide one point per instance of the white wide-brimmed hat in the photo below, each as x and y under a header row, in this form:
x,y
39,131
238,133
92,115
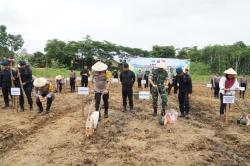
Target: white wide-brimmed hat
x,y
99,66
40,82
160,65
230,71
59,77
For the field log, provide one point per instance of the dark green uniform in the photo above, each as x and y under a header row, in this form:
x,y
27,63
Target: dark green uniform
x,y
158,77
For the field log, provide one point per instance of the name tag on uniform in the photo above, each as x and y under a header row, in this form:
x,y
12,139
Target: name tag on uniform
x,y
144,95
228,99
209,85
115,81
143,82
15,92
83,91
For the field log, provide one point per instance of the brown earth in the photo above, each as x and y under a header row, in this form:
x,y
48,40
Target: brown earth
x,y
58,138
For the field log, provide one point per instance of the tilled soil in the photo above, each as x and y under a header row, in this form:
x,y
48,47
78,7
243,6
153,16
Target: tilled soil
x,y
58,138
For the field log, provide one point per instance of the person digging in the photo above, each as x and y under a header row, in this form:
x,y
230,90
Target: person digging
x,y
157,79
44,93
101,82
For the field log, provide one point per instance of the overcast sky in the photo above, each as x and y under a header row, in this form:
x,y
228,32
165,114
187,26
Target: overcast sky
x,y
134,23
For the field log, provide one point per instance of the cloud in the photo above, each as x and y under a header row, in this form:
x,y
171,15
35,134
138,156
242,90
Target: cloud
x,y
135,23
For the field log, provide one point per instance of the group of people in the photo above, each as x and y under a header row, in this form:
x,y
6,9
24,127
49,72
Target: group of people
x,y
159,80
215,81
22,78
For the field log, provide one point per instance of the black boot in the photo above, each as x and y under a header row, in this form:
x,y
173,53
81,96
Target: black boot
x,y
155,111
106,113
124,109
21,109
5,106
163,112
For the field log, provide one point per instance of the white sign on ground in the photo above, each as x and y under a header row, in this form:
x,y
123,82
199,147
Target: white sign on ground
x,y
15,91
242,88
209,85
228,99
83,90
115,81
144,95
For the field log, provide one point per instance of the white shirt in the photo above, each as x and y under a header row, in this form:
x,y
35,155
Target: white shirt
x,y
233,88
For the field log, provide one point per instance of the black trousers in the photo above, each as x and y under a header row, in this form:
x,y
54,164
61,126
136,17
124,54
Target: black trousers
x,y
40,106
84,81
72,84
59,85
146,85
222,105
27,90
139,82
127,93
216,90
170,87
242,93
6,92
184,102
105,98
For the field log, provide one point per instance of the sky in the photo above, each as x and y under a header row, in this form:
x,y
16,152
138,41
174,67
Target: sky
x,y
133,23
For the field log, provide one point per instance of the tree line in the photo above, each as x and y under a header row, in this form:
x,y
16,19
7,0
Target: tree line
x,y
61,54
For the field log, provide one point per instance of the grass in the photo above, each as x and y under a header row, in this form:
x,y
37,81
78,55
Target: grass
x,y
50,72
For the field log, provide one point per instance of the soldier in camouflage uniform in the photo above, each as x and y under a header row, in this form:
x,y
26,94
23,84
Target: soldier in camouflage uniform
x,y
156,80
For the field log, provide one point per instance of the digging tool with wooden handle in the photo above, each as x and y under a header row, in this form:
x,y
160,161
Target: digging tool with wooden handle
x,y
21,84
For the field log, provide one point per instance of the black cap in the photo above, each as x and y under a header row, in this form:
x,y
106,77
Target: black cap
x,y
5,63
125,65
22,63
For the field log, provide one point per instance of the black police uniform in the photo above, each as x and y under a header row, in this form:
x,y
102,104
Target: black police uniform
x,y
5,83
127,79
26,77
183,83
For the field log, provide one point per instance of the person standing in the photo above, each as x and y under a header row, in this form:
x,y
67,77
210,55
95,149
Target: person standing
x,y
139,78
243,83
59,83
146,76
157,79
228,84
85,76
5,82
127,78
216,80
25,81
72,80
101,82
170,80
44,94
183,84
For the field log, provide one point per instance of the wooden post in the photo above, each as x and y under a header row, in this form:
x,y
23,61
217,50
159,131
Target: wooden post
x,y
16,102
82,101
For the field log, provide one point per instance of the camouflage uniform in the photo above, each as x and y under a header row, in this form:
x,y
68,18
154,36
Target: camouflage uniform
x,y
158,77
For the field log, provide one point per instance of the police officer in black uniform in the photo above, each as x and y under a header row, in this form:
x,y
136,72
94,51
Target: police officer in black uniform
x,y
5,82
26,80
183,83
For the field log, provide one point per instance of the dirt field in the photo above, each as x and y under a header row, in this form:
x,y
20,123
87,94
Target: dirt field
x,y
58,138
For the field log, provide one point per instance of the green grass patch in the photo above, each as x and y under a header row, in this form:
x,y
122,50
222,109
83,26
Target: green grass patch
x,y
51,72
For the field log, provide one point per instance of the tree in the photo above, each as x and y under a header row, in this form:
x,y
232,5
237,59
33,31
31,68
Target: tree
x,y
163,51
38,60
9,43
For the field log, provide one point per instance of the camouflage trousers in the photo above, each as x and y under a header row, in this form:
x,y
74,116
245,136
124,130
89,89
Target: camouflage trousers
x,y
155,93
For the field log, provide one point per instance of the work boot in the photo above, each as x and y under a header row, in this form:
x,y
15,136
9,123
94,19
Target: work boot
x,y
21,109
182,115
40,110
5,106
155,112
106,114
131,110
163,112
124,109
